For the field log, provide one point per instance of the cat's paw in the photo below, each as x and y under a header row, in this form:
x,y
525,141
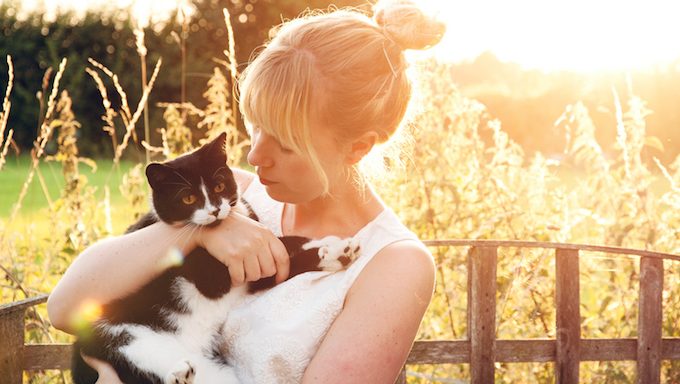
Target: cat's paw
x,y
183,373
335,254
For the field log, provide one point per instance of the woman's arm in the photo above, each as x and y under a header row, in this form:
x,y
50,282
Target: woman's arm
x,y
112,268
371,338
117,266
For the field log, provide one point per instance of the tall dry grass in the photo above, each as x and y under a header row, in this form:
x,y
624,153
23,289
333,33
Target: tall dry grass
x,y
466,178
4,115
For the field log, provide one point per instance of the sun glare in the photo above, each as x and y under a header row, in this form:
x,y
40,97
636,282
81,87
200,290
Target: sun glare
x,y
582,35
145,12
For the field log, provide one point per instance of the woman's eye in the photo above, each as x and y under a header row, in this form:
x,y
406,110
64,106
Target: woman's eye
x,y
189,199
219,187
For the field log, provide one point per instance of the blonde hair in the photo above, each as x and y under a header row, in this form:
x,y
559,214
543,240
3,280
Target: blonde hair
x,y
340,69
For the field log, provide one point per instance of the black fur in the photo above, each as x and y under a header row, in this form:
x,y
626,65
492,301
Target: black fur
x,y
171,181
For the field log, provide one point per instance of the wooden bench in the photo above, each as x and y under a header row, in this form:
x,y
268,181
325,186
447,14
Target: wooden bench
x,y
481,349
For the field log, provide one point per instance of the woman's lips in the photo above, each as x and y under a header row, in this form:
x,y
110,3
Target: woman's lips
x,y
265,181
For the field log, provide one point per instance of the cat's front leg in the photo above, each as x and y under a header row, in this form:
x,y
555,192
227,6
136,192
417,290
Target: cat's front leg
x,y
159,353
334,253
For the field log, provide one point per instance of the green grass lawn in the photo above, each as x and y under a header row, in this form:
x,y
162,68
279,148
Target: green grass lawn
x,y
16,170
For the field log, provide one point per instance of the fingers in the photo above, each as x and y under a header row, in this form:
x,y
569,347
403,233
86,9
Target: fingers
x,y
248,249
237,274
107,375
267,264
281,259
251,265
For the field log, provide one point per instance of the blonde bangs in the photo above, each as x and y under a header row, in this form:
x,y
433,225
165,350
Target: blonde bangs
x,y
277,96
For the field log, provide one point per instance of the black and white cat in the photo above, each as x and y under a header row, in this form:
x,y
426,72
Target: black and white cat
x,y
169,330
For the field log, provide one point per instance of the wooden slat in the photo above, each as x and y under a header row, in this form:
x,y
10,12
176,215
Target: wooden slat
x,y
524,351
440,352
482,313
567,301
649,321
670,349
22,305
608,349
47,356
535,350
550,245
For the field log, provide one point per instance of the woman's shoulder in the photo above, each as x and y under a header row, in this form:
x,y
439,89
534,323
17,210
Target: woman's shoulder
x,y
243,178
406,261
406,254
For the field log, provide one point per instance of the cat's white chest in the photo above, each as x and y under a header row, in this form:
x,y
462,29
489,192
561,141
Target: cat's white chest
x,y
203,316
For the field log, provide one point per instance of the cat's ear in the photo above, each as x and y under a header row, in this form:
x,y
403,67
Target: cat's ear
x,y
157,174
217,147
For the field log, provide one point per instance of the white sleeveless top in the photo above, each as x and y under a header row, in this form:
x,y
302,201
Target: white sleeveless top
x,y
272,336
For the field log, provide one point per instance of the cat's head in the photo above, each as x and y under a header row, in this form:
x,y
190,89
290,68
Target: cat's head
x,y
197,187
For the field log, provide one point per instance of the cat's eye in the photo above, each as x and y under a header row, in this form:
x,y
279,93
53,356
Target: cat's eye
x,y
219,187
189,199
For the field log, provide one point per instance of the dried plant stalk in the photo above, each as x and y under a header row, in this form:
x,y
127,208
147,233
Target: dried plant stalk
x,y
109,113
129,128
3,154
125,107
231,55
46,130
142,51
4,115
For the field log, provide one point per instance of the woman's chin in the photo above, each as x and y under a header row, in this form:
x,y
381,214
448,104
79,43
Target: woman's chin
x,y
284,195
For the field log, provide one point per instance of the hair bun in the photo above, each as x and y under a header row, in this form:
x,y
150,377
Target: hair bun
x,y
407,24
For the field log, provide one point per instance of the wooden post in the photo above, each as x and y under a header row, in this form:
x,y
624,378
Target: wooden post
x,y
482,313
567,301
649,321
11,343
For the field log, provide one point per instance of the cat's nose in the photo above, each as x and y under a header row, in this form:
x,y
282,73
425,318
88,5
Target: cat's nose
x,y
215,211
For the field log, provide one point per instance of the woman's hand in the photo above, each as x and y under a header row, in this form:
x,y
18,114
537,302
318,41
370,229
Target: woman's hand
x,y
107,375
247,248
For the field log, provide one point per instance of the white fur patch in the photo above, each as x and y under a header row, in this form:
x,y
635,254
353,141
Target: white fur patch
x,y
332,249
225,209
241,208
209,213
170,354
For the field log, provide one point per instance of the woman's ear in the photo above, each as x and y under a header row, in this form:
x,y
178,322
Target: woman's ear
x,y
360,147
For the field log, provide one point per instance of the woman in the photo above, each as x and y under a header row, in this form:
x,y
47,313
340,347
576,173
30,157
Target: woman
x,y
325,90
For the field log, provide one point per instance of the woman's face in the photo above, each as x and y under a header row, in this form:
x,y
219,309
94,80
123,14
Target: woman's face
x,y
289,177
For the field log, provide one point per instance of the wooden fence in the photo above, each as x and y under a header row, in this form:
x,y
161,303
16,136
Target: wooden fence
x,y
481,350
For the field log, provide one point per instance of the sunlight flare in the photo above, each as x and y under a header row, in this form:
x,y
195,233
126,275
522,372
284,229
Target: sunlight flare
x,y
577,35
89,312
174,258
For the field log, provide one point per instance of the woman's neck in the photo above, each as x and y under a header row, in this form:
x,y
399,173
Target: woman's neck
x,y
342,213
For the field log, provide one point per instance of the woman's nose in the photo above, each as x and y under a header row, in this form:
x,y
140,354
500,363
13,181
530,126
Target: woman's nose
x,y
260,151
